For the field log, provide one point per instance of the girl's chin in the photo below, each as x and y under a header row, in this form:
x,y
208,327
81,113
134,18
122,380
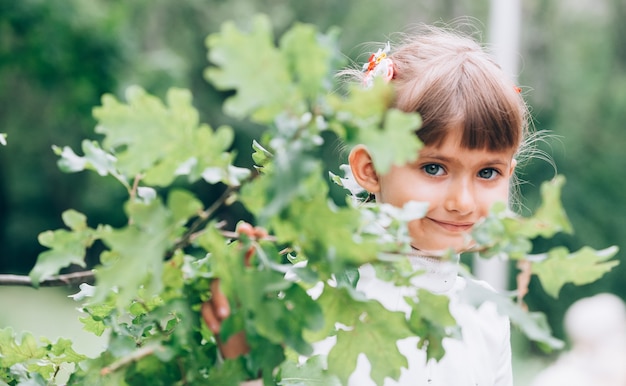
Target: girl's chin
x,y
442,249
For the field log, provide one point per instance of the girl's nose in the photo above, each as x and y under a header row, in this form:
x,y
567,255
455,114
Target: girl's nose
x,y
460,198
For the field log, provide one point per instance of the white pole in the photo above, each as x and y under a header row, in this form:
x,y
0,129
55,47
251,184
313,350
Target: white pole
x,y
504,32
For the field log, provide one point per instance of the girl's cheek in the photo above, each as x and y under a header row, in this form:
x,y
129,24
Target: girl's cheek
x,y
501,195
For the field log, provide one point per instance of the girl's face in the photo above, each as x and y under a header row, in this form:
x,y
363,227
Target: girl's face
x,y
461,185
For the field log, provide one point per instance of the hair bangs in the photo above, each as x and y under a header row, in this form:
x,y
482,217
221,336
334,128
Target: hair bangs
x,y
487,110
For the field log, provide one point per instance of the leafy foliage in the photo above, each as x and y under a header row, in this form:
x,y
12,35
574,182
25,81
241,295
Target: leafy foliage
x,y
582,267
23,357
155,271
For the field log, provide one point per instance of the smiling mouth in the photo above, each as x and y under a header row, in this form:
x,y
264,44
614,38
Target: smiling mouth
x,y
453,226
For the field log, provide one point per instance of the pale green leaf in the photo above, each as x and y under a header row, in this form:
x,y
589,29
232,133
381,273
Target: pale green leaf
x,y
146,194
432,321
97,315
16,349
289,179
253,194
362,109
281,320
310,373
373,331
96,327
42,358
348,182
309,57
86,291
203,149
550,218
161,141
324,233
62,352
65,247
582,267
94,158
74,220
183,205
240,57
135,260
532,324
396,143
261,155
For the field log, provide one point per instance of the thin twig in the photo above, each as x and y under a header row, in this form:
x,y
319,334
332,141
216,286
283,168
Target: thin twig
x,y
80,277
54,281
203,217
133,357
133,191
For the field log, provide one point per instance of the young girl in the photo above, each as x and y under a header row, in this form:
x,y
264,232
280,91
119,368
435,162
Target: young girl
x,y
474,123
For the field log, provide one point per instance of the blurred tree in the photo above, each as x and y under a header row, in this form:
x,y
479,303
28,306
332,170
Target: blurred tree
x,y
575,64
56,59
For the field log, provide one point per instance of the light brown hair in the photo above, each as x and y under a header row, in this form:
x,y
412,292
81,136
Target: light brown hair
x,y
453,83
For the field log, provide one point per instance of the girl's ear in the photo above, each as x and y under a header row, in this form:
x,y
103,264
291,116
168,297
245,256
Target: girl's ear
x,y
513,165
363,169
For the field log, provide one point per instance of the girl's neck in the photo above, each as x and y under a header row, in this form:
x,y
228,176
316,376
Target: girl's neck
x,y
438,275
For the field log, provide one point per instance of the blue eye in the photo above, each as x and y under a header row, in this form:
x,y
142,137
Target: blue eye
x,y
433,169
488,173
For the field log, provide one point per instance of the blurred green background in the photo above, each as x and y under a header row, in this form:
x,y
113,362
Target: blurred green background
x,y
57,57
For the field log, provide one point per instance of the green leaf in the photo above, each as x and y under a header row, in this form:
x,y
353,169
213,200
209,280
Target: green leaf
x,y
373,331
135,259
431,320
162,141
62,352
505,233
366,117
96,327
240,57
18,349
310,58
94,159
582,267
261,155
396,143
294,74
499,234
42,358
66,247
534,325
291,169
284,319
229,373
74,220
362,109
324,233
550,218
183,205
310,373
